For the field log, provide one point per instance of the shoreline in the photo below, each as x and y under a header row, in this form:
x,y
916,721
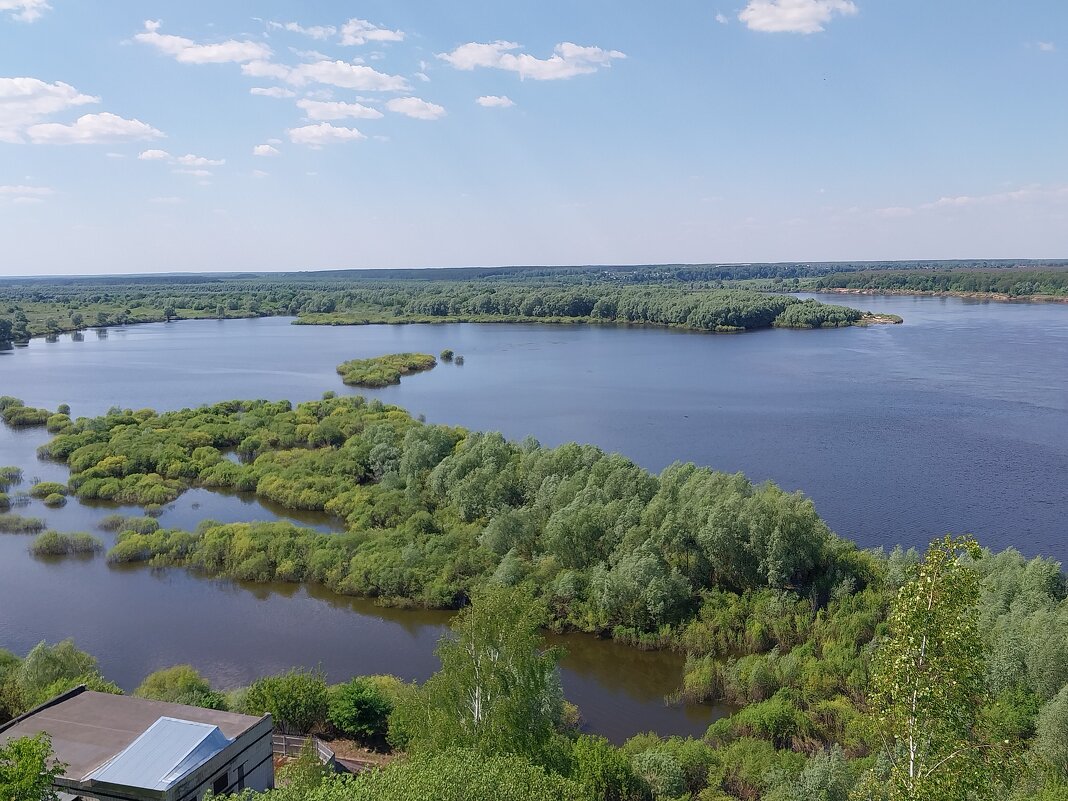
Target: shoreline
x,y
930,293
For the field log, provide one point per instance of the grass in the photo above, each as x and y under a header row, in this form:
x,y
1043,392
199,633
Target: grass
x,y
55,543
17,524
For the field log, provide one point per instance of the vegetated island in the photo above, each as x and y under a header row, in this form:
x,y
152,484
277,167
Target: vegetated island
x,y
700,298
381,371
816,642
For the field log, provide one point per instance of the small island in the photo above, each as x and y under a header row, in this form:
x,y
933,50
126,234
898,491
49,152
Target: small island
x,y
381,371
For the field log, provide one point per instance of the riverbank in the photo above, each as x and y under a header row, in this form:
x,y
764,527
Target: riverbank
x,y
996,296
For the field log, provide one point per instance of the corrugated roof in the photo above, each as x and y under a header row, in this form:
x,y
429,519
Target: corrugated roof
x,y
168,750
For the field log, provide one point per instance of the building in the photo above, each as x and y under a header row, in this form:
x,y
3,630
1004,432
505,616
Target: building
x,y
121,748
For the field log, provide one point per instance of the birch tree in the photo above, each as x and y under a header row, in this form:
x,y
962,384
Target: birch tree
x,y
927,681
498,690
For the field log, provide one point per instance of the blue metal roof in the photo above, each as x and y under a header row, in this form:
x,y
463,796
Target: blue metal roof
x,y
165,752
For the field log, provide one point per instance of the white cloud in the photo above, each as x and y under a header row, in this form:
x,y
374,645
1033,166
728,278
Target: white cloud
x,y
416,107
115,155
92,129
314,31
793,16
336,110
721,18
25,101
323,134
198,173
495,101
26,191
26,201
567,61
333,73
1028,194
360,31
189,52
1046,47
272,91
264,150
274,141
153,155
25,10
259,174
168,200
189,160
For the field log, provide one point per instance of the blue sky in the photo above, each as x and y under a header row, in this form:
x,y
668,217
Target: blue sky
x,y
161,136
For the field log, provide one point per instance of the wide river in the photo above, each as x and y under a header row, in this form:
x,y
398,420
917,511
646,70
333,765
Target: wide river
x,y
955,421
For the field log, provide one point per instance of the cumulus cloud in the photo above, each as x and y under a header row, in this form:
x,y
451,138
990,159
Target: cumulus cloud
x,y
567,61
323,134
495,101
272,91
416,107
91,129
189,52
314,31
721,18
360,31
189,160
27,201
1046,47
264,150
793,16
25,10
25,101
332,73
336,110
166,200
198,173
153,155
259,174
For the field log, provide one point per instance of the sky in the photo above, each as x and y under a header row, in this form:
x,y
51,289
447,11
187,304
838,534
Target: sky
x,y
199,136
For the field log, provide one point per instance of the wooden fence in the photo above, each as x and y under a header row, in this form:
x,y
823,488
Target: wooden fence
x,y
288,745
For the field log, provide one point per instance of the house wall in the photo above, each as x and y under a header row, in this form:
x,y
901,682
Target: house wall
x,y
250,756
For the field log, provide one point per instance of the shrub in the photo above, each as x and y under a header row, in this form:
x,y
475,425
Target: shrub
x,y
53,543
43,489
55,500
297,700
359,709
180,684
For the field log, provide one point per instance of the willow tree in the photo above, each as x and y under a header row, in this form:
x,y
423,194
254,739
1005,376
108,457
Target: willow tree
x,y
927,681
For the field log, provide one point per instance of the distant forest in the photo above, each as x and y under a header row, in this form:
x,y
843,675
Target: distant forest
x,y
706,297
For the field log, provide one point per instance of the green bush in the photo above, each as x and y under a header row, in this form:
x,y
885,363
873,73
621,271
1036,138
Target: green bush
x,y
180,684
16,524
43,489
382,371
359,709
297,700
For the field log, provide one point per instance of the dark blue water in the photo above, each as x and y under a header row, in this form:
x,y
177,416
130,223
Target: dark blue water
x,y
955,421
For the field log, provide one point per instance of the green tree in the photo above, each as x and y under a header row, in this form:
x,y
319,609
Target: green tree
x,y
602,770
927,680
1051,734
297,700
28,768
498,690
169,313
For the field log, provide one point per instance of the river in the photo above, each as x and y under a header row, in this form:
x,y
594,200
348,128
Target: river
x,y
955,421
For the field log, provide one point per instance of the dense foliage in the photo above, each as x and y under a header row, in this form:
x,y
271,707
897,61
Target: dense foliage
x,y
382,371
433,512
27,768
1014,283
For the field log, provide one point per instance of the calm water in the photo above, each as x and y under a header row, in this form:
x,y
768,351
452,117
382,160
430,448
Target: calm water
x,y
955,421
